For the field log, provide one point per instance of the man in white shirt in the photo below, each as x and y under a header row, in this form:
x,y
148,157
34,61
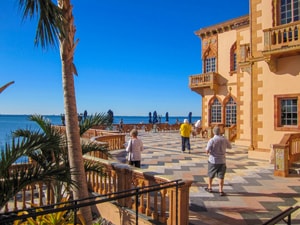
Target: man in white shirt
x,y
216,149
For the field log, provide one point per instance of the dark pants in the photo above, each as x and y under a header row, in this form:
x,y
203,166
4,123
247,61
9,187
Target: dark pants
x,y
185,142
135,163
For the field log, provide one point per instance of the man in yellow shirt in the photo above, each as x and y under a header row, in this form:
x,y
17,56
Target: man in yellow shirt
x,y
185,132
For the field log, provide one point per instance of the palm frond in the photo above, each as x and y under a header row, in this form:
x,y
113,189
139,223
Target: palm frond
x,y
21,176
20,147
50,21
93,120
90,166
88,147
44,124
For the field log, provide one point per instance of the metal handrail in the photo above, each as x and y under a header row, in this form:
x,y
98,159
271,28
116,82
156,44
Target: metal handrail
x,y
74,205
281,216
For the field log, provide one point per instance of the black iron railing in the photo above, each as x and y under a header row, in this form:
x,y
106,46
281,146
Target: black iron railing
x,y
75,205
284,216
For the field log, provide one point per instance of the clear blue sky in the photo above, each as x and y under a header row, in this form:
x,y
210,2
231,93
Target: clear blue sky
x,y
133,57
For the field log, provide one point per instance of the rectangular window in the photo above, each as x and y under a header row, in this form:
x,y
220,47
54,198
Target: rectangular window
x,y
210,65
289,11
287,112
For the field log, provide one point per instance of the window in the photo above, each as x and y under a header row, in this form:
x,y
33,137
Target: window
x,y
230,112
210,64
216,109
289,11
233,63
287,112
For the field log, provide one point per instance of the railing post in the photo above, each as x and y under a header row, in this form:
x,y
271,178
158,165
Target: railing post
x,y
267,40
281,166
183,204
124,179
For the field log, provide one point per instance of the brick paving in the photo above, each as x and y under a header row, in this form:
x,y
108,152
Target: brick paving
x,y
253,194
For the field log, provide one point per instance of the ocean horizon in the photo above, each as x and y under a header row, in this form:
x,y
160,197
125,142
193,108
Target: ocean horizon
x,y
10,123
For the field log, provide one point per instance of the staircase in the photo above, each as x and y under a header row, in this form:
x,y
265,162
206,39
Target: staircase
x,y
294,170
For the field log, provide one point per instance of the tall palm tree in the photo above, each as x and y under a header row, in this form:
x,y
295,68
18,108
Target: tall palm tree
x,y
56,23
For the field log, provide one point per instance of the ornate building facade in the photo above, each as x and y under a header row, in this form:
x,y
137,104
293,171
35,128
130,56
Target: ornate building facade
x,y
250,78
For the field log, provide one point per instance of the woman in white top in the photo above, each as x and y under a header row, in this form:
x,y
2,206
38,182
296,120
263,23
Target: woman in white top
x,y
134,149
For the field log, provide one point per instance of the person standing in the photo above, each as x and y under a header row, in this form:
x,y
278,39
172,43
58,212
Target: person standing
x,y
121,125
216,149
185,133
134,149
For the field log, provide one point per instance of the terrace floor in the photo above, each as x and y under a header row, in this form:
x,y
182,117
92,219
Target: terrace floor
x,y
253,193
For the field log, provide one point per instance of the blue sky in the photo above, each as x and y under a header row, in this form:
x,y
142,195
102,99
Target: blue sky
x,y
133,57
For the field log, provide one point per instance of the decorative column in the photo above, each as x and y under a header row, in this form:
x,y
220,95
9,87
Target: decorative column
x,y
281,167
179,211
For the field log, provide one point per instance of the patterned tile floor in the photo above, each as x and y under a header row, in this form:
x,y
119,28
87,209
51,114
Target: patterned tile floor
x,y
253,194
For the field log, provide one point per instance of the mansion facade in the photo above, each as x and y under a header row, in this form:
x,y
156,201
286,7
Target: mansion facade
x,y
250,78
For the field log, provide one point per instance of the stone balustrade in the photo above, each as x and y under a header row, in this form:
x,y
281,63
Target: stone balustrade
x,y
285,153
158,206
286,35
165,206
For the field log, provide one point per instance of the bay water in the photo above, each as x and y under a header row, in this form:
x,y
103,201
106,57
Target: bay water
x,y
9,123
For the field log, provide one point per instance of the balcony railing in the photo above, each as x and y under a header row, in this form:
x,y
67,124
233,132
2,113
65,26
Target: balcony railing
x,y
201,81
281,41
283,36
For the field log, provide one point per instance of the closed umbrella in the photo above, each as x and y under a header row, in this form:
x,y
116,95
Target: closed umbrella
x,y
150,117
155,120
190,117
167,117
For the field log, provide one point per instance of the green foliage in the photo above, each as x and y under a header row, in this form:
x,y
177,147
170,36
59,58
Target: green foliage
x,y
47,148
50,20
63,217
93,120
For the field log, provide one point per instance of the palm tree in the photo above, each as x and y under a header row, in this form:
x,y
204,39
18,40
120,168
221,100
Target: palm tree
x,y
47,147
14,180
56,23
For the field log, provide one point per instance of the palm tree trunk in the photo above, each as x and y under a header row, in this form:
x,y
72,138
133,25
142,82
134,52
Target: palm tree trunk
x,y
67,48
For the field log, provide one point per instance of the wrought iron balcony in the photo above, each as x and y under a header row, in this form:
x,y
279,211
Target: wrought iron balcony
x,y
281,41
199,82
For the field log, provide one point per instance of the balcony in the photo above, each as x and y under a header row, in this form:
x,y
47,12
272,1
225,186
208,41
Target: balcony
x,y
200,82
281,41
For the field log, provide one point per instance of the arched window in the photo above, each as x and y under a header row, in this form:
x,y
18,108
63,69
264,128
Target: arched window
x,y
216,111
233,62
209,56
230,112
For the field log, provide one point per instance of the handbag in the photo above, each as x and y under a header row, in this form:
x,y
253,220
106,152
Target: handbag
x,y
129,154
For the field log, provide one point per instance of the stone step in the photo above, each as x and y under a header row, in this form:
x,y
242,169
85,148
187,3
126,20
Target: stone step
x,y
294,170
296,164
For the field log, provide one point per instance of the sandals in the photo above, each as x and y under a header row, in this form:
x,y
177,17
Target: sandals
x,y
221,193
209,190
